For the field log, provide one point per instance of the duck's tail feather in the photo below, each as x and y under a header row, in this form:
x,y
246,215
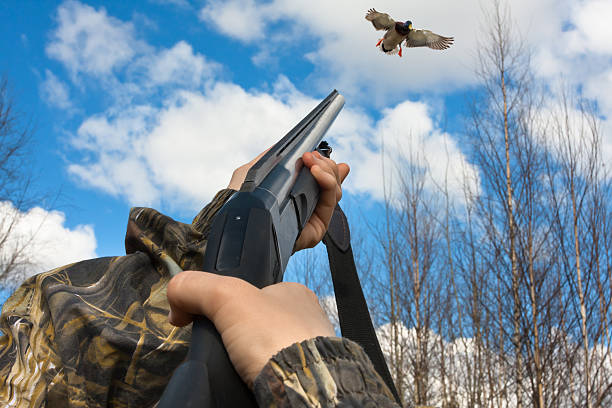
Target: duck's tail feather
x,y
388,52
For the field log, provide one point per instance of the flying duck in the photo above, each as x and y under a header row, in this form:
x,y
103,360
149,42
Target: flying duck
x,y
397,32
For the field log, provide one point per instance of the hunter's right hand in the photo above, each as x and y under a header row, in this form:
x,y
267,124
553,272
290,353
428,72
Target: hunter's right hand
x,y
329,175
254,323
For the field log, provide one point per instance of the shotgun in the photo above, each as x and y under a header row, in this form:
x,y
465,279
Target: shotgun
x,y
252,238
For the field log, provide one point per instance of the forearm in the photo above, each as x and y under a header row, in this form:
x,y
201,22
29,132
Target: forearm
x,y
325,372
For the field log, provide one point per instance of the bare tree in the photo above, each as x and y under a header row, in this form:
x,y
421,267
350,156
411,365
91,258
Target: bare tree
x,y
409,237
420,231
15,192
393,339
503,71
580,195
514,215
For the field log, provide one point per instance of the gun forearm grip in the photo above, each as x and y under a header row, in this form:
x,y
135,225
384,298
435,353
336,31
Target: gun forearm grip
x,y
241,244
204,379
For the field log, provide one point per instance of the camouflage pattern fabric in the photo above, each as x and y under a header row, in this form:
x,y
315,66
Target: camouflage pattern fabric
x,y
322,372
96,333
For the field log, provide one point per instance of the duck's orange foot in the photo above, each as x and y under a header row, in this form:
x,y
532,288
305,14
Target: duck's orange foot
x,y
400,52
379,41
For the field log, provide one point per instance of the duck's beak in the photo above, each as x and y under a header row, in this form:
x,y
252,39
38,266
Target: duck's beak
x,y
410,26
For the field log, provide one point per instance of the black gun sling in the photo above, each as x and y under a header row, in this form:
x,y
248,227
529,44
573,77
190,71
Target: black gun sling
x,y
355,321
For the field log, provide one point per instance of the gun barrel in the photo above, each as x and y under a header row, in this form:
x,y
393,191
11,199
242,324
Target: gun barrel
x,y
291,163
292,146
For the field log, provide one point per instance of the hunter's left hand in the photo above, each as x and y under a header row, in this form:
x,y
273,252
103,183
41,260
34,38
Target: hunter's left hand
x,y
329,175
254,323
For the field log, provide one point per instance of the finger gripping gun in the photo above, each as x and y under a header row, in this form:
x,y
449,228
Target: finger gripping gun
x,y
252,238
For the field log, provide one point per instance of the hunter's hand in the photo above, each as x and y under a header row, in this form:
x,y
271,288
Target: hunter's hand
x,y
329,175
240,173
254,323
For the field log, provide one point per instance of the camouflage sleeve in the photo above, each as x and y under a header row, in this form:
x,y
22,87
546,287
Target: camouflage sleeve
x,y
321,372
95,333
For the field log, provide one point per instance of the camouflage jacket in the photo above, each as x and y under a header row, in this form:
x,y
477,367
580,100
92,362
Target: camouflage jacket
x,y
95,333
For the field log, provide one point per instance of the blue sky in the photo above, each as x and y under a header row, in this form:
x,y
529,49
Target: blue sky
x,y
154,102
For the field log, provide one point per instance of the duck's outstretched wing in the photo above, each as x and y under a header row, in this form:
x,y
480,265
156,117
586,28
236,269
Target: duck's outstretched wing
x,y
425,38
380,21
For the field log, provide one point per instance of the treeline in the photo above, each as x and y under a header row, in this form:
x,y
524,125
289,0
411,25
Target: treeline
x,y
502,298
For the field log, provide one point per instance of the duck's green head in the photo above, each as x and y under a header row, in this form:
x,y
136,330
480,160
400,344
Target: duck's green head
x,y
408,25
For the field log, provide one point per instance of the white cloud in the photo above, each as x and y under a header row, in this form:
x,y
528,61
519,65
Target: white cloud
x,y
92,44
191,149
405,133
599,87
55,92
185,151
115,131
581,56
116,143
569,127
592,30
119,176
42,240
90,41
409,132
241,19
179,65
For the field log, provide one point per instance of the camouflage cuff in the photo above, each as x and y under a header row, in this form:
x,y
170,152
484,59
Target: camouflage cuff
x,y
321,372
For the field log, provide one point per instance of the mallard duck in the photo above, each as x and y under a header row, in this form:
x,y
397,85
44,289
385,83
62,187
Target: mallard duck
x,y
398,32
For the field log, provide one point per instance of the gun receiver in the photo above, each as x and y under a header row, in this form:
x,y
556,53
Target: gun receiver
x,y
252,238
